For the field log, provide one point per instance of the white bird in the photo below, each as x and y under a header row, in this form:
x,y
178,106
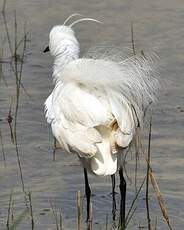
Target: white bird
x,y
98,102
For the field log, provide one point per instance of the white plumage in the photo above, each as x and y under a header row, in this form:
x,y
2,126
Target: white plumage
x,y
98,100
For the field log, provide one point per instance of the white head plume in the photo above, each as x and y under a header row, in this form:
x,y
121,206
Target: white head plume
x,y
84,19
71,16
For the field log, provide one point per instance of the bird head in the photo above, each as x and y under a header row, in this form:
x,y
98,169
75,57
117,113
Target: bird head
x,y
62,36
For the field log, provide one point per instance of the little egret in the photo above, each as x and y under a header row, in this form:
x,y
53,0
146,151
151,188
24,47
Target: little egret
x,y
98,101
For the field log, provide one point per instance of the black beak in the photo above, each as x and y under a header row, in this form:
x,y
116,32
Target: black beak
x,y
46,49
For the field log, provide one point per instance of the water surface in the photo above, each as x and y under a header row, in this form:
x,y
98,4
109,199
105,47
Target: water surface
x,y
157,24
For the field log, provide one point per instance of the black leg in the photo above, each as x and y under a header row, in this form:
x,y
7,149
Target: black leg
x,y
88,193
113,179
122,187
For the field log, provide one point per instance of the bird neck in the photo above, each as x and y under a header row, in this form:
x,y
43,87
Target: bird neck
x,y
67,52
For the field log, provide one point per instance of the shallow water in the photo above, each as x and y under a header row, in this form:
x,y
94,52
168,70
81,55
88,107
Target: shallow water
x,y
157,24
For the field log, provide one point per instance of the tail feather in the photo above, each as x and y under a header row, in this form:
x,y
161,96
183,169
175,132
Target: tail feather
x,y
104,162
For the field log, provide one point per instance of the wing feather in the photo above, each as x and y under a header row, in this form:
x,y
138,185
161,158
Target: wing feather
x,y
77,105
132,79
73,113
